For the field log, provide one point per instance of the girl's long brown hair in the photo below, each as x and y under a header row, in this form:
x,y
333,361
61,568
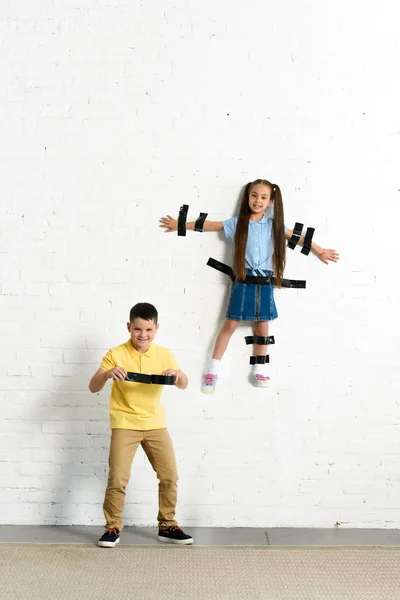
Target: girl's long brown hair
x,y
242,231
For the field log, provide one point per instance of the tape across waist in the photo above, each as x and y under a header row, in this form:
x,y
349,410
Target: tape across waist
x,y
145,378
255,279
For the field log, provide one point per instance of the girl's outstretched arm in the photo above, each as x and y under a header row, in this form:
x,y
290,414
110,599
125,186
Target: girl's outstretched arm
x,y
170,224
323,254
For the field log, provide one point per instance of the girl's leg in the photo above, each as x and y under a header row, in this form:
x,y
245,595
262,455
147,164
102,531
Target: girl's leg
x,y
221,344
260,378
224,336
260,328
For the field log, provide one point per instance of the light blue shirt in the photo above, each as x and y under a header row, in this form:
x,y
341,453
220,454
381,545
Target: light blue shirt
x,y
260,243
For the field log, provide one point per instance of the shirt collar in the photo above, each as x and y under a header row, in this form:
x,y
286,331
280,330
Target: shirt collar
x,y
262,220
133,352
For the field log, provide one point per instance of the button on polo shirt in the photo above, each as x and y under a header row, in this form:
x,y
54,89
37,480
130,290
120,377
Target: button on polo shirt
x,y
137,405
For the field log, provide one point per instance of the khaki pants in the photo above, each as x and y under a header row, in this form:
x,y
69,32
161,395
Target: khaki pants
x,y
159,450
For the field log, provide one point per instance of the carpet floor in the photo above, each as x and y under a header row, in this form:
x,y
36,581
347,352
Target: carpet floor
x,y
77,571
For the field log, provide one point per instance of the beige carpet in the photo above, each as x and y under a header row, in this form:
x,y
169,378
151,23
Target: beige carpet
x,y
75,572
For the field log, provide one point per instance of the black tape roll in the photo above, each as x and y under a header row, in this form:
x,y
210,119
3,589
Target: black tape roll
x,y
260,340
145,378
182,219
307,241
298,228
199,224
259,360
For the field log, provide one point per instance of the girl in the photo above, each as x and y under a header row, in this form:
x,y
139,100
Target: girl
x,y
259,249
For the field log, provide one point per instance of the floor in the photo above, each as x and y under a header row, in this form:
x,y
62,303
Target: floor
x,y
207,536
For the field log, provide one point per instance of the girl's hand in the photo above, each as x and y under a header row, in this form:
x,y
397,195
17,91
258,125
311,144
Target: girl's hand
x,y
328,255
117,373
169,224
177,374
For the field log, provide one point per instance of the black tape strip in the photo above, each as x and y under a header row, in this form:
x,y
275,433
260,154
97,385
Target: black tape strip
x,y
259,340
227,270
294,283
298,228
145,378
182,219
219,266
259,360
199,224
257,279
307,241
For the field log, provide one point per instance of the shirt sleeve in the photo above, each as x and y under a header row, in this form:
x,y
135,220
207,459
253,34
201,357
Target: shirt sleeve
x,y
230,227
108,361
170,361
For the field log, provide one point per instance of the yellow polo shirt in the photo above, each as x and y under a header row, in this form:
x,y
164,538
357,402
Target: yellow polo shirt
x,y
137,405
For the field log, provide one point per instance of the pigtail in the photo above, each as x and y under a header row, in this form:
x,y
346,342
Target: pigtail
x,y
279,257
241,235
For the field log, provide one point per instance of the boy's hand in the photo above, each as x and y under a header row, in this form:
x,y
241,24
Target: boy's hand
x,y
118,373
177,374
327,255
169,224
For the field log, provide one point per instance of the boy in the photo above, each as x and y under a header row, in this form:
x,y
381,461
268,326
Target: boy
x,y
137,417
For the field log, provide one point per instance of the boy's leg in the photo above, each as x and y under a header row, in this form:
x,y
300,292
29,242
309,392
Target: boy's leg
x,y
124,443
158,447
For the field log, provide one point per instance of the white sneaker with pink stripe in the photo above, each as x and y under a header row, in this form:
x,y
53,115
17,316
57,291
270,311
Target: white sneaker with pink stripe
x,y
208,384
260,380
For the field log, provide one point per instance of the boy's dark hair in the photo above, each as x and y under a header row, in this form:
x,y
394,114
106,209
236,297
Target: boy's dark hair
x,y
144,310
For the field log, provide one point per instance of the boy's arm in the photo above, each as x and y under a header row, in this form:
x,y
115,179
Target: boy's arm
x,y
170,224
101,377
181,380
323,254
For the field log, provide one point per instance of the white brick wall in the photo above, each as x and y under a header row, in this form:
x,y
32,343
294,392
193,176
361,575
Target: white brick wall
x,y
113,113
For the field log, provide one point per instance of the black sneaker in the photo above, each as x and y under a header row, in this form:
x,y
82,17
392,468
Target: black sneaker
x,y
174,535
109,538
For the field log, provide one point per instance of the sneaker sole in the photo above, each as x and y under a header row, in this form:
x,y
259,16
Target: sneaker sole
x,y
180,542
108,544
207,390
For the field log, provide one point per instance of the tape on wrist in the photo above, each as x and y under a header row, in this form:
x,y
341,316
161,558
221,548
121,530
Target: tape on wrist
x,y
145,378
307,241
199,224
260,340
259,360
298,228
227,270
182,219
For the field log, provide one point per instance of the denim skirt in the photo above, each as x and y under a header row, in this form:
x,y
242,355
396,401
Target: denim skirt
x,y
252,302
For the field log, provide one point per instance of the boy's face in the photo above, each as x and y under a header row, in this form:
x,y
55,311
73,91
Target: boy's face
x,y
142,333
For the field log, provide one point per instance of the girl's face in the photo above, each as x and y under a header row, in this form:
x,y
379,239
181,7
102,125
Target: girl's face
x,y
259,198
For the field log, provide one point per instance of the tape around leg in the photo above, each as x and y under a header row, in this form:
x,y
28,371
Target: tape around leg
x,y
259,340
145,378
259,360
182,219
199,224
307,241
298,228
